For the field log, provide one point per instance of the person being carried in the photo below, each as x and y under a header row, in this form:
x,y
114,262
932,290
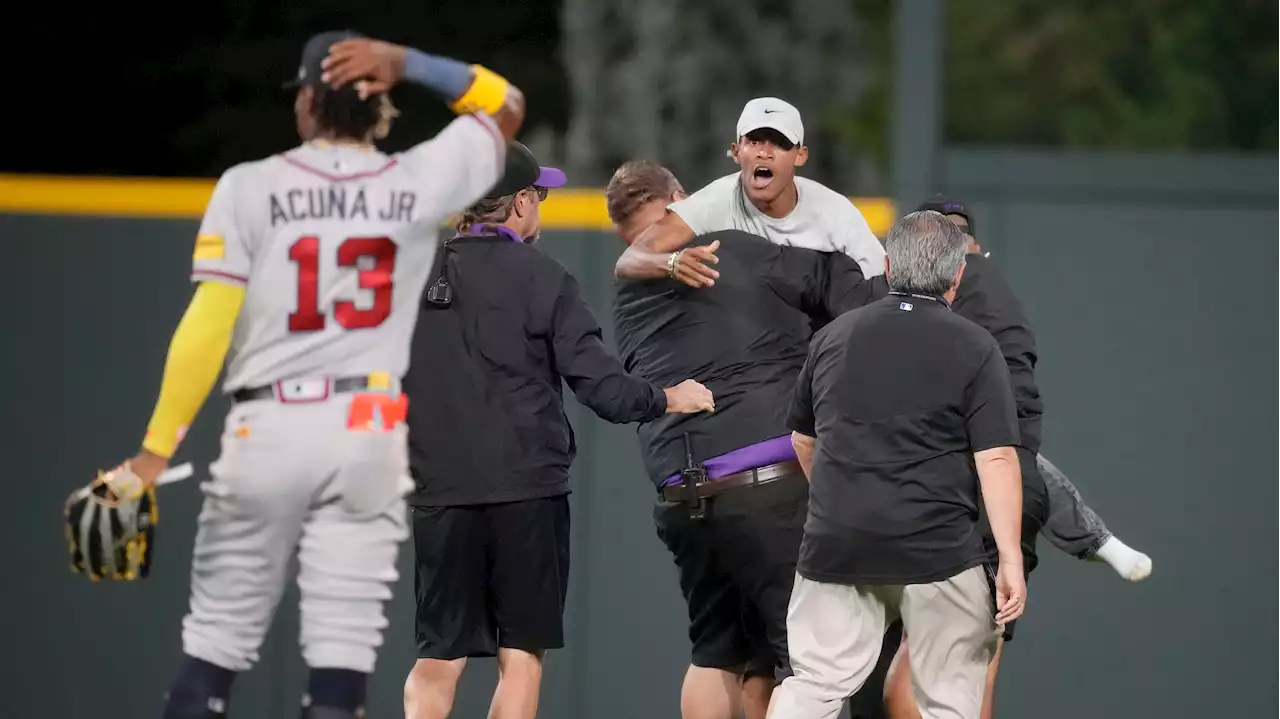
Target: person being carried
x,y
985,297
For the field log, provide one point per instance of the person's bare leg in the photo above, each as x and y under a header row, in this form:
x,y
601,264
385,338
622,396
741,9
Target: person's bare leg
x,y
899,702
711,694
989,693
430,688
519,685
756,691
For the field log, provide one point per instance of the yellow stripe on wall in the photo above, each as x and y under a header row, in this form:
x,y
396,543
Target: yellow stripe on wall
x,y
105,196
160,198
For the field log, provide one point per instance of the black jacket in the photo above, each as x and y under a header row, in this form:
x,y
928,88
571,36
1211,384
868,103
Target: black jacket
x,y
745,338
486,413
984,297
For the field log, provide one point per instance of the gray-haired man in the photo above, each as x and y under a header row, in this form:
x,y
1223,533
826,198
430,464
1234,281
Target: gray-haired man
x,y
898,404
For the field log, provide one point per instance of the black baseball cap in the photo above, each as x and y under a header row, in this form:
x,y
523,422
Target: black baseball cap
x,y
314,53
522,171
945,205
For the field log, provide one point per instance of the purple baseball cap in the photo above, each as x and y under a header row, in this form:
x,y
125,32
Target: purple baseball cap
x,y
945,205
523,171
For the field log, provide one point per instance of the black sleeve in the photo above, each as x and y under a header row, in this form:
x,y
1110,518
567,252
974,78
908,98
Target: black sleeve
x,y
991,417
823,285
985,298
596,377
800,417
846,288
799,277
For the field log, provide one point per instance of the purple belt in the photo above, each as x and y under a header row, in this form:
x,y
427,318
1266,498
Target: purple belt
x,y
761,454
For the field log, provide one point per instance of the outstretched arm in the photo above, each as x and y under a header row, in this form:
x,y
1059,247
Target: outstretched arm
x,y
598,378
660,252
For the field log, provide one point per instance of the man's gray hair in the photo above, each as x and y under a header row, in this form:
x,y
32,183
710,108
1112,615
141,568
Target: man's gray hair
x,y
925,252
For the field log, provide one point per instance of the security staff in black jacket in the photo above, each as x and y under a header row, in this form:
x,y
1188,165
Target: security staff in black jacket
x,y
735,536
500,326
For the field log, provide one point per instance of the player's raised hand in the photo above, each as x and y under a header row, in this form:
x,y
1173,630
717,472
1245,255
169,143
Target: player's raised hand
x,y
380,65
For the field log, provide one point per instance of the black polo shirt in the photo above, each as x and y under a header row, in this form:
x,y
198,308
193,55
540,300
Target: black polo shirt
x,y
985,297
745,338
899,394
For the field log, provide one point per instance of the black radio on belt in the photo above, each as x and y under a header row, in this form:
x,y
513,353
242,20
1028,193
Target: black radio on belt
x,y
690,477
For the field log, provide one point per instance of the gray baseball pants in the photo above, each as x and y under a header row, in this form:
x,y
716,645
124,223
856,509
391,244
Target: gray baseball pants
x,y
292,480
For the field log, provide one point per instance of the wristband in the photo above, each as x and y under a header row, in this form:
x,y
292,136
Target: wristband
x,y
487,93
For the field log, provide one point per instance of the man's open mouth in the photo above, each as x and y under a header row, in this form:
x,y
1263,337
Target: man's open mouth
x,y
761,176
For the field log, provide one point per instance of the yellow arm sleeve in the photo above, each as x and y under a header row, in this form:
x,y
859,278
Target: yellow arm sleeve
x,y
487,93
196,354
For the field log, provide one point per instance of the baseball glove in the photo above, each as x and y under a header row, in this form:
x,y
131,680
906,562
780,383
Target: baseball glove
x,y
110,526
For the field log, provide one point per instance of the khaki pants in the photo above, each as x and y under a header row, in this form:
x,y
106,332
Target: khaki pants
x,y
835,633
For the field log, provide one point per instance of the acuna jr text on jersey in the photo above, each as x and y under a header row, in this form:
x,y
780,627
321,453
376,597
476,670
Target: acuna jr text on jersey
x,y
340,203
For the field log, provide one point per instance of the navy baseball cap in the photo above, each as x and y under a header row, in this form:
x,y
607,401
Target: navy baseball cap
x,y
314,53
948,206
522,170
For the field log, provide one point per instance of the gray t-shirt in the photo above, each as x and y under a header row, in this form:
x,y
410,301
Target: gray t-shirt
x,y
823,219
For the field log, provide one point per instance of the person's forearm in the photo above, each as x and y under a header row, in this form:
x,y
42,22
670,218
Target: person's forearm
x,y
640,264
196,354
622,398
447,76
804,444
467,88
1001,482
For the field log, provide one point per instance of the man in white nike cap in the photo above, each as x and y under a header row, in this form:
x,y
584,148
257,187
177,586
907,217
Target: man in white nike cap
x,y
763,198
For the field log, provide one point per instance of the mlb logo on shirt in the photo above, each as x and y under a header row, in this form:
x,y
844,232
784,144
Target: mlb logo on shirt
x,y
906,306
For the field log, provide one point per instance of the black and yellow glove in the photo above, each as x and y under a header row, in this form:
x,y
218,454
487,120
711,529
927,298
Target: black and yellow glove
x,y
110,526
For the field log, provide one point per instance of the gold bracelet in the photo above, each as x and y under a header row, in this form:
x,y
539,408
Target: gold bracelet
x,y
487,93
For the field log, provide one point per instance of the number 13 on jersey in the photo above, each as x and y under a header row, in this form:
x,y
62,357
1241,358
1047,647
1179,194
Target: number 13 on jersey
x,y
377,279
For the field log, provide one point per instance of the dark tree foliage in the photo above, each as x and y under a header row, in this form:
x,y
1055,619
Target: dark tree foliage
x,y
196,88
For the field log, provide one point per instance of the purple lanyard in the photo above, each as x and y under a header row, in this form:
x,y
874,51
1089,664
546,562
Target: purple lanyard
x,y
482,230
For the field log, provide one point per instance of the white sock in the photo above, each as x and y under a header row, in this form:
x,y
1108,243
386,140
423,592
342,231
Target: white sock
x,y
1127,561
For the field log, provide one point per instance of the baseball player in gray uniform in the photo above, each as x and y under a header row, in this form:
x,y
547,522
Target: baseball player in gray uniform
x,y
308,267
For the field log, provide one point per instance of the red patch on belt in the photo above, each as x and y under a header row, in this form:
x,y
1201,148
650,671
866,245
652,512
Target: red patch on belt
x,y
372,411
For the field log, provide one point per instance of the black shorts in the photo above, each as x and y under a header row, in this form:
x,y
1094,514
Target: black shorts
x,y
737,566
490,576
1035,512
